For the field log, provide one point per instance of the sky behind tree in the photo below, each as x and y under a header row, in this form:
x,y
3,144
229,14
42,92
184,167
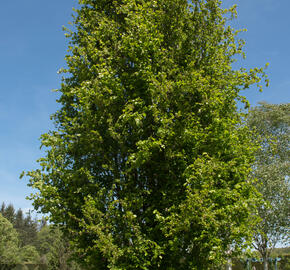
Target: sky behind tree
x,y
32,50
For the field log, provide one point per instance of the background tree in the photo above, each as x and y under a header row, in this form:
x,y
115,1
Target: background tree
x,y
54,249
9,250
271,124
29,230
29,255
19,226
26,243
148,164
25,225
8,212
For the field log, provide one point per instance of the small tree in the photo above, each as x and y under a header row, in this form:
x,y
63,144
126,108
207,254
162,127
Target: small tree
x,y
271,124
148,165
8,212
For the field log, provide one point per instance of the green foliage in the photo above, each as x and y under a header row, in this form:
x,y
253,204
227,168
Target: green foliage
x,y
9,249
29,255
148,164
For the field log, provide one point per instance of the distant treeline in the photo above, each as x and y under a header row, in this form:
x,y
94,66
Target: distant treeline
x,y
26,241
26,227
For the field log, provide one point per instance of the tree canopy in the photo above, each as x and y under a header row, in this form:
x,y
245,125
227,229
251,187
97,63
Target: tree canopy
x,y
148,165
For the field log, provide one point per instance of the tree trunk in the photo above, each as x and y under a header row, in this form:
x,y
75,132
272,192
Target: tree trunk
x,y
265,263
229,265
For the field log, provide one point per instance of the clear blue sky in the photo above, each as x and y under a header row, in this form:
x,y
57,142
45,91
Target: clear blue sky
x,y
32,50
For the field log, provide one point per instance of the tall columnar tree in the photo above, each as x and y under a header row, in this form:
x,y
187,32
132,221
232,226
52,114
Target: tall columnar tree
x,y
147,166
271,124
